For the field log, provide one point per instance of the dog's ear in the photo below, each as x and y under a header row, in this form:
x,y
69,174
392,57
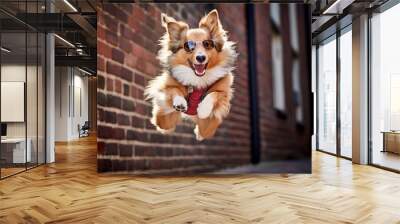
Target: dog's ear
x,y
175,29
213,24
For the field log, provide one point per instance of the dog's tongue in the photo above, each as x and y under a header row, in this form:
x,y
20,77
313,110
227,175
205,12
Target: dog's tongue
x,y
200,69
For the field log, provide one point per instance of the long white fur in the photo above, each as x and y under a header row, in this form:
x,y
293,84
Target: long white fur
x,y
179,100
185,74
205,107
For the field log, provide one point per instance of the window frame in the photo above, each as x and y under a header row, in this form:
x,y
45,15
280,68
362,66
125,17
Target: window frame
x,y
333,37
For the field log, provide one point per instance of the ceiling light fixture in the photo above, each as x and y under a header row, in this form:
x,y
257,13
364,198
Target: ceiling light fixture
x,y
333,6
5,50
79,51
84,71
70,5
64,40
338,6
329,9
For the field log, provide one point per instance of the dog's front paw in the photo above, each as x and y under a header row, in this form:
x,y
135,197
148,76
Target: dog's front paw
x,y
205,107
179,103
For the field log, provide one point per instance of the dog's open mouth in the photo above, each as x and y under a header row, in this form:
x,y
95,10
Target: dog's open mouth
x,y
199,69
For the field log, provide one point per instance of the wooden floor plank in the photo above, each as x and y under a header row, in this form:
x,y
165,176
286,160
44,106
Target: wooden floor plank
x,y
71,191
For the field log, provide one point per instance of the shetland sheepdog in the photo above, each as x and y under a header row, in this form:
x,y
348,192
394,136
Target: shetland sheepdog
x,y
196,79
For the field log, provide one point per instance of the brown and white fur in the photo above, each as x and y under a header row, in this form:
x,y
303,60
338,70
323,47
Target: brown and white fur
x,y
169,90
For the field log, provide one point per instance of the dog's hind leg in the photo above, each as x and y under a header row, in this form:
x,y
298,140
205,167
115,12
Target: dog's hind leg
x,y
165,122
206,128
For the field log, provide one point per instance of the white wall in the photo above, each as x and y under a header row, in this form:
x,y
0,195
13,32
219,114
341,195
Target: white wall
x,y
61,103
80,89
71,94
16,73
33,126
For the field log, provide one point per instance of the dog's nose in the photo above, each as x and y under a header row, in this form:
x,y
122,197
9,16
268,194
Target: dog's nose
x,y
200,58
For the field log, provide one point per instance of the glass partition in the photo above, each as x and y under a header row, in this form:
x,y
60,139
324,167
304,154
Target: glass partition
x,y
385,89
327,95
346,93
13,86
31,97
22,88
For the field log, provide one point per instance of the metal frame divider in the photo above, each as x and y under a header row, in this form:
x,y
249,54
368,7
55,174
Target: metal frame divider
x,y
338,98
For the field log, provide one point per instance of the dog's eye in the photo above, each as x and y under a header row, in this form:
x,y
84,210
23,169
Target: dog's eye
x,y
208,44
189,46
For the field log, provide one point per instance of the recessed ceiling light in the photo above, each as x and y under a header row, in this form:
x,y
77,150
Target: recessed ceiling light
x,y
5,50
70,5
64,40
338,6
84,71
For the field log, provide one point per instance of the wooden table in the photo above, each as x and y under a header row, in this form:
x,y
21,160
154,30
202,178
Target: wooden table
x,y
391,141
13,150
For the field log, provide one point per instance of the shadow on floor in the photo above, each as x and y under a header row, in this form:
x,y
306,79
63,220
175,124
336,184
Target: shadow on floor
x,y
291,166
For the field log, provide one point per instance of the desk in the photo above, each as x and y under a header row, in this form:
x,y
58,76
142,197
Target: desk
x,y
391,141
15,148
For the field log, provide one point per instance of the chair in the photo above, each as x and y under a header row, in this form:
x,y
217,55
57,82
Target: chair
x,y
84,130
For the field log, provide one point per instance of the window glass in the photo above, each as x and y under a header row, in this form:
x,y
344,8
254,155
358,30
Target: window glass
x,y
385,88
22,88
277,73
346,94
327,96
15,151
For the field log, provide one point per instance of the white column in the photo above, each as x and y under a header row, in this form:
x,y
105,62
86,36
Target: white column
x,y
50,98
360,90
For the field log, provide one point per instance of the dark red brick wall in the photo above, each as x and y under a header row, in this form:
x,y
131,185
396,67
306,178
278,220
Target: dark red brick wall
x,y
128,37
282,138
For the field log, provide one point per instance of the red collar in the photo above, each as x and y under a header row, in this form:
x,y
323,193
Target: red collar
x,y
194,98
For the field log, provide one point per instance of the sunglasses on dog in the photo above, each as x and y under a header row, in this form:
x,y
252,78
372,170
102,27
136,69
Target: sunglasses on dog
x,y
190,45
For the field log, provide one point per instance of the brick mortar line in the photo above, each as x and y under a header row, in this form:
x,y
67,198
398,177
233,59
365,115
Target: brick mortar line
x,y
165,158
122,96
181,146
135,142
148,76
123,81
163,171
143,142
135,71
116,110
150,131
187,124
114,76
129,113
164,145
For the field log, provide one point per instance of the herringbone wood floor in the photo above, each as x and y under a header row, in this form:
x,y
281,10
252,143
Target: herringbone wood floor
x,y
70,191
